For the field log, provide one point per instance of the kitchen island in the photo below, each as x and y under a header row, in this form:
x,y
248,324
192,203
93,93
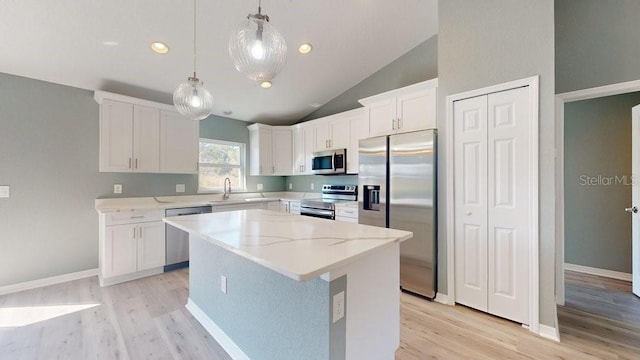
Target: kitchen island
x,y
270,285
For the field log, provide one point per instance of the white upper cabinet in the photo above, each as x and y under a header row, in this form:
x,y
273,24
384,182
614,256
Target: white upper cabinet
x,y
142,136
270,149
358,129
282,145
116,136
179,143
303,147
129,137
331,132
146,139
402,110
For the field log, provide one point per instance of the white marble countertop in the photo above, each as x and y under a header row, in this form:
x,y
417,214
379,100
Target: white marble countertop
x,y
168,202
299,247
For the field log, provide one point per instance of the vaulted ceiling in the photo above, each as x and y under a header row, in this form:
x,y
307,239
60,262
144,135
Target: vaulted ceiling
x,y
105,45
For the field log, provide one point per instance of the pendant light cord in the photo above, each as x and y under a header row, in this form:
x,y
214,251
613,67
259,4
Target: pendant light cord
x,y
194,37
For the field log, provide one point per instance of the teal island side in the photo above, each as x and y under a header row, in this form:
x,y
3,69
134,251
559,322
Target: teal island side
x,y
270,285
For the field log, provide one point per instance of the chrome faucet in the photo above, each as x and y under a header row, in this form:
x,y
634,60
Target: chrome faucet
x,y
226,192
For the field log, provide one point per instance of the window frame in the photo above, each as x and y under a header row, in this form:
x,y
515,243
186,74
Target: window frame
x,y
242,166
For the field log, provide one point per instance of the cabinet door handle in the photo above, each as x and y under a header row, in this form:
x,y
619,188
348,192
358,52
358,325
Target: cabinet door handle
x,y
136,163
134,233
129,163
399,123
393,124
273,169
140,232
137,217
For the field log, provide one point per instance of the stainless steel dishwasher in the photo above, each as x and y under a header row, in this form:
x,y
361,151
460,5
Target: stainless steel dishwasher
x,y
177,241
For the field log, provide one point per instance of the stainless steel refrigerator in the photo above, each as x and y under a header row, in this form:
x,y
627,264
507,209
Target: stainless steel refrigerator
x,y
397,177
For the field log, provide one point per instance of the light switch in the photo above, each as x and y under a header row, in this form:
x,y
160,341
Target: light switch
x,y
223,284
312,186
180,188
290,186
4,191
338,306
117,188
260,187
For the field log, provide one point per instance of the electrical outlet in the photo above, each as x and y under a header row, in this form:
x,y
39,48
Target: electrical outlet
x,y
338,306
259,187
312,186
180,188
290,186
4,191
223,284
117,188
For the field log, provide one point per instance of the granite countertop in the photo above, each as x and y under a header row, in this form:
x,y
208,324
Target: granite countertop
x,y
299,247
168,202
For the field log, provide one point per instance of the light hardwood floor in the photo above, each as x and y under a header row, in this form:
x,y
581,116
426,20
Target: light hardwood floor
x,y
146,319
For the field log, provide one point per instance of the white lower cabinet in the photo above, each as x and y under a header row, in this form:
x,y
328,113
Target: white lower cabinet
x,y
290,206
132,245
347,212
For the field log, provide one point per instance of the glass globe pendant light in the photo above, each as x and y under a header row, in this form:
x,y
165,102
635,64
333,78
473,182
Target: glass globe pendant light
x,y
257,49
191,98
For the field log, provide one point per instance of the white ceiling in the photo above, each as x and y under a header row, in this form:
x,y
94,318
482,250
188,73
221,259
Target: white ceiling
x,y
61,41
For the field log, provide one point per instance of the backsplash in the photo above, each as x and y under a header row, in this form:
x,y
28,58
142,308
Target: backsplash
x,y
303,183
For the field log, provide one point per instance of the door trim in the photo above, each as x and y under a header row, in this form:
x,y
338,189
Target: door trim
x,y
533,84
561,100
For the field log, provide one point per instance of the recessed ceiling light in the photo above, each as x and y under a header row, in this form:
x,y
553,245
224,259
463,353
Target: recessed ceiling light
x,y
159,47
315,105
110,43
305,48
265,84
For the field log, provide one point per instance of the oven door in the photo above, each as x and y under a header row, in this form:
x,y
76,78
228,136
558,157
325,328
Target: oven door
x,y
319,213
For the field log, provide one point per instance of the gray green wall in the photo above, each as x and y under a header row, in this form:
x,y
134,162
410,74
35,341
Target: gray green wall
x,y
49,157
596,43
303,182
481,43
597,144
418,64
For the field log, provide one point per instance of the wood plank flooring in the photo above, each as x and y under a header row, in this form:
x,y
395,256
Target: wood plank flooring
x,y
146,319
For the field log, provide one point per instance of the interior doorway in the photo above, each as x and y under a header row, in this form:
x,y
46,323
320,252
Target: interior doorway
x,y
594,262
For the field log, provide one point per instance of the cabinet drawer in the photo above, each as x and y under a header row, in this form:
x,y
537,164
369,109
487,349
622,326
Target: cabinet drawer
x,y
351,212
347,219
133,216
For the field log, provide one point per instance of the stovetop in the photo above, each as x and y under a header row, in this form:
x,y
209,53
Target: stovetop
x,y
332,194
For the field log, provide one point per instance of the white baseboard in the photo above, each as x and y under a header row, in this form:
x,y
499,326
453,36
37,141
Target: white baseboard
x,y
225,342
549,332
442,299
28,285
599,272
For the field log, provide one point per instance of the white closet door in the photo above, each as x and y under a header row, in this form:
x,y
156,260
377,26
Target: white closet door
x,y
508,204
470,158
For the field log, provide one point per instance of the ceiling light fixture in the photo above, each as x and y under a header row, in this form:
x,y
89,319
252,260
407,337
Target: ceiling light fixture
x,y
265,84
191,98
257,49
305,48
159,47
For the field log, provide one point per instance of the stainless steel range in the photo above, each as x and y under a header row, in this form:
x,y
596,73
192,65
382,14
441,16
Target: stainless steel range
x,y
325,206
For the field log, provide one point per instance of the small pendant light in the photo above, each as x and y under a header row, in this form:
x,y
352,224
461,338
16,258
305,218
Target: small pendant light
x,y
191,98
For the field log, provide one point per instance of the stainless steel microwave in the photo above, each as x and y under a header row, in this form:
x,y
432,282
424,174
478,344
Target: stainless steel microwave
x,y
329,162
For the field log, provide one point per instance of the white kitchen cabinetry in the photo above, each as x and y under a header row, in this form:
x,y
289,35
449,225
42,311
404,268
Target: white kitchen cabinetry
x,y
402,110
303,147
131,245
271,150
358,129
143,136
273,205
290,206
347,212
331,132
129,137
179,143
